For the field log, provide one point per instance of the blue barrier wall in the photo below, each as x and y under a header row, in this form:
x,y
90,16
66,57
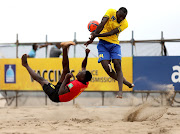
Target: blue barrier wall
x,y
156,73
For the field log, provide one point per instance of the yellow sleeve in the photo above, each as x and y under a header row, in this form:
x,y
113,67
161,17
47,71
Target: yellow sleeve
x,y
108,13
123,26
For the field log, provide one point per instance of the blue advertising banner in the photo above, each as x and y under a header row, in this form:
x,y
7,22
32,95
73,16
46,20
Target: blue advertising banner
x,y
156,73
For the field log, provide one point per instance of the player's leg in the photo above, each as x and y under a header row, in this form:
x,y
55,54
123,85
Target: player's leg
x,y
117,67
48,88
34,75
65,62
115,53
108,68
127,83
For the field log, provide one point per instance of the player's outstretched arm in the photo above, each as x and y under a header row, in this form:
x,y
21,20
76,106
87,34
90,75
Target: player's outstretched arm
x,y
45,45
84,63
63,89
98,30
114,31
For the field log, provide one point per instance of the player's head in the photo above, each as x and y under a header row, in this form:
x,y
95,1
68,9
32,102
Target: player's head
x,y
58,45
121,14
84,76
35,46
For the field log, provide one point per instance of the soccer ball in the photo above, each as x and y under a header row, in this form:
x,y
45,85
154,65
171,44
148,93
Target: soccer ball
x,y
92,25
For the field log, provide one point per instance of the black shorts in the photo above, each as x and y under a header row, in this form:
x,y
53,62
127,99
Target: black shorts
x,y
52,91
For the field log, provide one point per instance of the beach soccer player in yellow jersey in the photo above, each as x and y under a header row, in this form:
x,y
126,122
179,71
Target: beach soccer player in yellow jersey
x,y
65,90
112,23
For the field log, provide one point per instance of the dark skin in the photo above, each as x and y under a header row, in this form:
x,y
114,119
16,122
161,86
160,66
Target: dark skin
x,y
80,76
117,74
120,17
66,75
40,79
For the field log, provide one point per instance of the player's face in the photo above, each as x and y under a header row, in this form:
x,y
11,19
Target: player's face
x,y
81,75
120,16
35,48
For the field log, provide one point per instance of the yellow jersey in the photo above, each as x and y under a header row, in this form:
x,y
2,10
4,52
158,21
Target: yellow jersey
x,y
112,24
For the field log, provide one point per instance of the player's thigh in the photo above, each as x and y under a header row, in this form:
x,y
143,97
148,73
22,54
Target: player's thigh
x,y
64,72
117,64
103,53
115,52
42,81
106,65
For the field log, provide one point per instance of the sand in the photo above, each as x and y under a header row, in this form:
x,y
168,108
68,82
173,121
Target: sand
x,y
69,119
120,116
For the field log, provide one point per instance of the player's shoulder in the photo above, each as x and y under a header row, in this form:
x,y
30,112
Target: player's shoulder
x,y
75,82
32,52
87,83
125,22
111,10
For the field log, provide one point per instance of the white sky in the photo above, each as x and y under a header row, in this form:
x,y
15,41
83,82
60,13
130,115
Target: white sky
x,y
59,19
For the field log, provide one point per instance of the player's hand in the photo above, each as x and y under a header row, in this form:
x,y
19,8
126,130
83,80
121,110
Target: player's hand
x,y
88,42
68,75
87,51
93,35
91,39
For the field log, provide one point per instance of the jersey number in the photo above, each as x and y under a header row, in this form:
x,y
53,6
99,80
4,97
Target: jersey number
x,y
101,56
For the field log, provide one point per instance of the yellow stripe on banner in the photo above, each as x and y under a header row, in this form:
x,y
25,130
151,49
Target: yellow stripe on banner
x,y
13,76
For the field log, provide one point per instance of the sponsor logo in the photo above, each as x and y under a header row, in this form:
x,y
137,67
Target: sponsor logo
x,y
10,73
113,18
175,77
70,85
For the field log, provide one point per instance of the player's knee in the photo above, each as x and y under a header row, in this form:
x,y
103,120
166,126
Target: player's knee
x,y
108,69
117,66
41,80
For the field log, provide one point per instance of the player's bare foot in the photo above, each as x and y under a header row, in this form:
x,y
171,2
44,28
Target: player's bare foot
x,y
67,44
119,94
24,60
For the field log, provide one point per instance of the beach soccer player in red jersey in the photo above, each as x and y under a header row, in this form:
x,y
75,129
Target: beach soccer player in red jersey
x,y
65,90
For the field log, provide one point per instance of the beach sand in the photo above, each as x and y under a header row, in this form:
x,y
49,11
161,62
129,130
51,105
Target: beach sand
x,y
76,119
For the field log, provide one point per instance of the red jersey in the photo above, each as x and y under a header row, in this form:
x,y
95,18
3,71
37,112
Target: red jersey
x,y
75,88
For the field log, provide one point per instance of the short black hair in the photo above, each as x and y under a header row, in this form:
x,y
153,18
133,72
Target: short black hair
x,y
123,9
88,76
34,45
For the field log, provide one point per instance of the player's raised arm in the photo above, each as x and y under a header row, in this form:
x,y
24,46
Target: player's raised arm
x,y
44,45
84,63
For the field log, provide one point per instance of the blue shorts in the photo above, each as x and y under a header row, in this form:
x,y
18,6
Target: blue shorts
x,y
108,51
